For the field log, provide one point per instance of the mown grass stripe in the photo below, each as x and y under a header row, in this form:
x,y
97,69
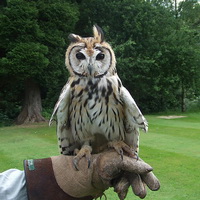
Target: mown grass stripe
x,y
172,143
172,148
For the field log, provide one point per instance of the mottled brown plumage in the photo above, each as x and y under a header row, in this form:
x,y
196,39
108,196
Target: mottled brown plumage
x,y
94,108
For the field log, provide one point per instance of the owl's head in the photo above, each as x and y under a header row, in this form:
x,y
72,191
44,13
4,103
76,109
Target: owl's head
x,y
90,56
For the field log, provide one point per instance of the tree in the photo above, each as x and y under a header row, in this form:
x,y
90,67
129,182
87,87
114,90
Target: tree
x,y
137,30
33,42
19,61
188,50
23,56
57,19
154,50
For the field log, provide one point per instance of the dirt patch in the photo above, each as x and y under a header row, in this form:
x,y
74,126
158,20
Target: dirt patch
x,y
172,116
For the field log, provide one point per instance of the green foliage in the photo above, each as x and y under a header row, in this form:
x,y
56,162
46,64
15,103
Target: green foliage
x,y
26,56
157,54
193,104
18,23
33,40
46,113
56,20
4,120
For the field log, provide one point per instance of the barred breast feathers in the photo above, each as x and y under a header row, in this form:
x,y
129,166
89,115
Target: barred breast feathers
x,y
96,108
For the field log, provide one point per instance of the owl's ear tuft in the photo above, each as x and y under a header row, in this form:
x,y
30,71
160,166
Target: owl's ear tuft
x,y
74,38
98,33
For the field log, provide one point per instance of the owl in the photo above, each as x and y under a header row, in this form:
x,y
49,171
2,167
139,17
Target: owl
x,y
94,109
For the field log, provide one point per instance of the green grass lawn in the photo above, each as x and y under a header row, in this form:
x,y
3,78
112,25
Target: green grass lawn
x,y
172,147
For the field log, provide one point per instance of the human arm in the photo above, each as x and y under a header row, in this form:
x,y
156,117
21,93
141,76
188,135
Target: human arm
x,y
55,178
57,174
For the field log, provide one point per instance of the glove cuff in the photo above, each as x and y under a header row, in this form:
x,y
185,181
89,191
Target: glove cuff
x,y
41,182
84,182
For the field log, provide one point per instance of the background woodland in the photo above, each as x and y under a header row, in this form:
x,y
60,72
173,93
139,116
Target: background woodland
x,y
156,42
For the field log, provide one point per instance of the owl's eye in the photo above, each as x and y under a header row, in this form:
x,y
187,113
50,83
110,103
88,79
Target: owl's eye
x,y
80,56
100,56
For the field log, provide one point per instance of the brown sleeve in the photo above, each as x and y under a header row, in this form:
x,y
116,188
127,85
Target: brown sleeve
x,y
41,183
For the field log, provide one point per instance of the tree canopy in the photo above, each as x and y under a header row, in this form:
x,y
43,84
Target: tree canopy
x,y
157,52
33,40
157,46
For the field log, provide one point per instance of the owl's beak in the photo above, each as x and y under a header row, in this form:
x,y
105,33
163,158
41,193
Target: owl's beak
x,y
90,69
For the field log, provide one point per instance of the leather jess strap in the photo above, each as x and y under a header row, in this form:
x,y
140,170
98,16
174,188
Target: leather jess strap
x,y
41,183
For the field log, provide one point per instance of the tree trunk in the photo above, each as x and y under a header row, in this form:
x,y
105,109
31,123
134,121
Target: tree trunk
x,y
182,98
31,111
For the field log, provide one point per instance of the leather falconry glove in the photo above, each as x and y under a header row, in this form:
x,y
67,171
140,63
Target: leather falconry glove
x,y
56,178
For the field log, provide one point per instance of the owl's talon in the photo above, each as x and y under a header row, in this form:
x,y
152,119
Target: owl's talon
x,y
75,164
121,147
88,158
136,154
89,162
84,152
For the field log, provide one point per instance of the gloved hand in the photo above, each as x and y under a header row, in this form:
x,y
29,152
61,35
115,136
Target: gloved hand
x,y
127,172
55,178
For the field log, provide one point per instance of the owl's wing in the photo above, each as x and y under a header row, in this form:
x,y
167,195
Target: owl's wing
x,y
133,119
66,142
133,114
62,102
